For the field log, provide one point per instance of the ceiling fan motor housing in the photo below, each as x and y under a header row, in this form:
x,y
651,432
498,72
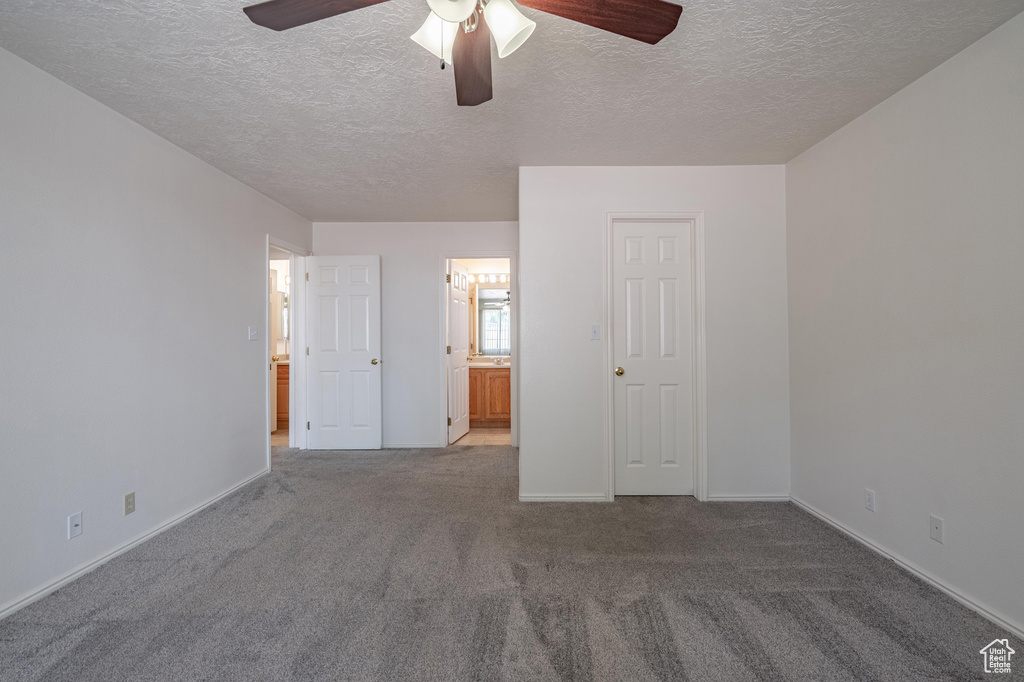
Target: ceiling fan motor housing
x,y
455,11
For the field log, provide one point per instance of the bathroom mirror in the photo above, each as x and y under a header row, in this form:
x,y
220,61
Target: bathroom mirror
x,y
492,320
280,283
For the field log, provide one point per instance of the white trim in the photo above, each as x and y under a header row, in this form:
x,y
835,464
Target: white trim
x,y
700,391
266,347
410,446
287,246
297,413
748,498
79,571
1000,619
564,498
513,257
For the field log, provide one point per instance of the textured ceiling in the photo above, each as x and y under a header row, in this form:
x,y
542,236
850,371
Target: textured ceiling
x,y
348,119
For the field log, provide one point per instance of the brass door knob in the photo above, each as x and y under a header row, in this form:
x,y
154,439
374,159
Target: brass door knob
x,y
619,371
374,361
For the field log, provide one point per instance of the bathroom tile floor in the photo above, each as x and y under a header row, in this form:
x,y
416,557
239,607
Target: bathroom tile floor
x,y
486,437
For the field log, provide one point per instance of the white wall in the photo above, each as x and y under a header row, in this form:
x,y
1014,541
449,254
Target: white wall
x,y
563,377
411,310
906,281
486,266
99,394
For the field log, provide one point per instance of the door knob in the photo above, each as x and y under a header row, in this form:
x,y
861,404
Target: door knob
x,y
374,361
619,371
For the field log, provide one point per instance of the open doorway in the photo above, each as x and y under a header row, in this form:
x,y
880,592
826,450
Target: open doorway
x,y
279,339
479,350
284,334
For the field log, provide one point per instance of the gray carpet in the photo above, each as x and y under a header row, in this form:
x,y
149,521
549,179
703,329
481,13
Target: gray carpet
x,y
422,565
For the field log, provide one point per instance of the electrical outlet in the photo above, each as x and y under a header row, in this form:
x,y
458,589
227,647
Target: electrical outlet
x,y
937,532
869,499
129,503
74,525
595,332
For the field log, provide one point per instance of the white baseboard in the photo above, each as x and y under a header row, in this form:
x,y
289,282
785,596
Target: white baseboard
x,y
983,610
410,446
79,571
563,498
748,498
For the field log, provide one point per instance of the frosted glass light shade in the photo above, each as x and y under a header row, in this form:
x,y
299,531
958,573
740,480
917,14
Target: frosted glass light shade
x,y
454,11
437,36
508,26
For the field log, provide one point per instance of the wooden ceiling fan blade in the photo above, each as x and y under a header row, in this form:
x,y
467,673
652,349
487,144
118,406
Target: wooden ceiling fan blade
x,y
645,20
471,58
282,14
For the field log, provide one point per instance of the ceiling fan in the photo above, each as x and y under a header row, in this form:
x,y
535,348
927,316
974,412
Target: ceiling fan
x,y
459,32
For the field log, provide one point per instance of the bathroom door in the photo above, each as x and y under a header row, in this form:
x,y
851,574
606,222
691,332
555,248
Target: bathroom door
x,y
652,351
458,351
344,365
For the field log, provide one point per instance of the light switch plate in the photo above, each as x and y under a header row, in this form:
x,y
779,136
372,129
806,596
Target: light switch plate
x,y
254,334
595,332
74,525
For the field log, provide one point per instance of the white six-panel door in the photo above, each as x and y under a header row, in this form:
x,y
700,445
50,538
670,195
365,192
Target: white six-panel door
x,y
653,358
458,359
343,369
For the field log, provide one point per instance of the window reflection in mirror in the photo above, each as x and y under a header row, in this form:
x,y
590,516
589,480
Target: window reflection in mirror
x,y
280,331
493,322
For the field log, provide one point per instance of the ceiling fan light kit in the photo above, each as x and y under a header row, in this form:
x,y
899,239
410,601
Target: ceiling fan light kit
x,y
437,36
455,11
459,31
508,26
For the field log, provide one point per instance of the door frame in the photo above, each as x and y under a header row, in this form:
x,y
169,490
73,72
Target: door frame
x,y
513,277
697,329
297,329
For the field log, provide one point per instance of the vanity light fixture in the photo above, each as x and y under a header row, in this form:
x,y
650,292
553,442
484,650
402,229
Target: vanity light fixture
x,y
488,279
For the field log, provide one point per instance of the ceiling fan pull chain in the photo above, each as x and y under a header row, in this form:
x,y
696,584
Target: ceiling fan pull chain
x,y
442,43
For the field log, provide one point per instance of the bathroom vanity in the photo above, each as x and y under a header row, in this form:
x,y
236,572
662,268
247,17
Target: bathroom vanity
x,y
282,394
490,397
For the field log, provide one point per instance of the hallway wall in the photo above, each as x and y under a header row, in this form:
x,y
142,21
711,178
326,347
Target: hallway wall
x,y
906,235
132,271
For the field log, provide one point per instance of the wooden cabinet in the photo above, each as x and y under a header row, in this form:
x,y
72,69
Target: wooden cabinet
x,y
476,395
490,397
282,396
